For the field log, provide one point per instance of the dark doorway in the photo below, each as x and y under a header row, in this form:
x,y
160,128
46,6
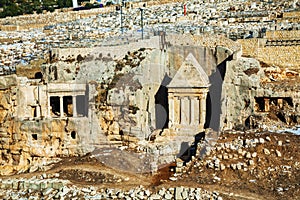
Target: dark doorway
x,y
68,106
34,111
38,75
260,104
55,106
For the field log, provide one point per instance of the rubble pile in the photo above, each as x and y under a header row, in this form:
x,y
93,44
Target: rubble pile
x,y
266,160
55,188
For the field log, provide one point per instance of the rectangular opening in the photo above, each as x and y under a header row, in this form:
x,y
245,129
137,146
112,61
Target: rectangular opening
x,y
55,106
68,106
34,111
265,104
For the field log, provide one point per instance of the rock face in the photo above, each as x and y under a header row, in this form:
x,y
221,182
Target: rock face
x,y
35,143
239,90
253,98
33,133
134,93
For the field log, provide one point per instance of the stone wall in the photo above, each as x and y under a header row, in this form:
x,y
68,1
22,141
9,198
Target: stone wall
x,y
246,80
283,35
27,22
56,188
291,14
282,56
31,71
116,51
280,53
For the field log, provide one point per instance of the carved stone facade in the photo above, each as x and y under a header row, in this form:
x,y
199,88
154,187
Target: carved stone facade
x,y
72,100
54,100
187,94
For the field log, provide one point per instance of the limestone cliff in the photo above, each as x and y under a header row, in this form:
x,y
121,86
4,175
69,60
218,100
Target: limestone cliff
x,y
120,95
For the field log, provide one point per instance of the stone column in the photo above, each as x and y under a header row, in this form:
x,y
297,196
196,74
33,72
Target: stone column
x,y
38,111
280,103
192,110
202,110
195,111
61,106
171,110
176,110
185,109
74,106
267,104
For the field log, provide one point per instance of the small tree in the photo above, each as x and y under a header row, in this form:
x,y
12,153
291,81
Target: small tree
x,y
48,5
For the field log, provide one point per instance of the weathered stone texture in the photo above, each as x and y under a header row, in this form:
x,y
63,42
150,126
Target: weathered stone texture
x,y
279,48
135,94
283,35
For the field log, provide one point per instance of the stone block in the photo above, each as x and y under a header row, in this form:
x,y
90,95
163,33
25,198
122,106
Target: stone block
x,y
178,191
57,185
26,184
222,166
251,162
155,197
248,155
225,156
168,196
278,153
184,193
47,191
44,184
240,151
15,185
239,166
261,140
266,151
233,166
7,184
34,185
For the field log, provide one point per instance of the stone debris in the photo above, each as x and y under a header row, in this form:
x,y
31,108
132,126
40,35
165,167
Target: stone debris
x,y
278,153
260,165
266,151
61,189
240,158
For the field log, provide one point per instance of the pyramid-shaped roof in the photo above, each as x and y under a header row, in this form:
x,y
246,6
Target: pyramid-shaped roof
x,y
190,75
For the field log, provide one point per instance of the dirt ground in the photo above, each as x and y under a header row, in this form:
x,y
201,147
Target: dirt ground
x,y
271,177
